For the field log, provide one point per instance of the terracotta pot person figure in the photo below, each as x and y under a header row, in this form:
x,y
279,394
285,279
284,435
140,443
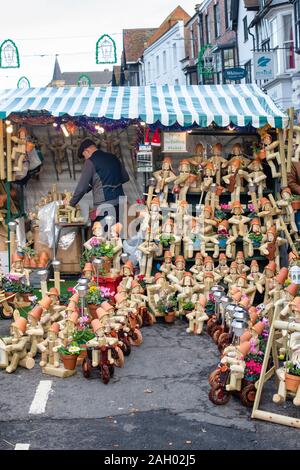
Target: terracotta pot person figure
x,y
148,249
210,223
253,238
208,268
272,154
88,272
257,176
127,271
231,278
19,154
233,357
286,298
18,270
238,222
222,269
288,213
218,161
167,266
255,277
269,280
49,347
237,154
116,241
157,291
98,237
168,239
183,179
192,237
222,236
267,213
178,273
208,177
271,244
281,373
198,266
34,329
197,317
16,347
187,289
164,177
235,179
241,263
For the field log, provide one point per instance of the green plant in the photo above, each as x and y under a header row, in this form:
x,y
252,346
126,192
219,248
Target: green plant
x,y
188,306
104,249
166,240
167,304
72,350
64,298
94,296
295,197
293,369
27,290
29,251
83,336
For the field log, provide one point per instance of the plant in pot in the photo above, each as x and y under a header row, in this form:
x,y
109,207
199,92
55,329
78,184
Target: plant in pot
x,y
99,250
69,355
81,336
94,299
295,200
65,298
292,376
26,292
29,256
188,307
166,240
11,284
168,306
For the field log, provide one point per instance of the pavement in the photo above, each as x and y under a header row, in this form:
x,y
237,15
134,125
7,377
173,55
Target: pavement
x,y
158,401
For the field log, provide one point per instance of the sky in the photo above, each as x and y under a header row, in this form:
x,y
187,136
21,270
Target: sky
x,y
71,28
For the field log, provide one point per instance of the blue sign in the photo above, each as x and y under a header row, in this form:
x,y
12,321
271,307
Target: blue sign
x,y
235,73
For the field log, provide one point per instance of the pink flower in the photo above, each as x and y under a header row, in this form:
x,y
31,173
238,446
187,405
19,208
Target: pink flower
x,y
71,289
94,242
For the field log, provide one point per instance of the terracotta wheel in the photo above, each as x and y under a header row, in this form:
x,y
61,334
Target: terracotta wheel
x,y
86,368
217,333
105,374
248,395
118,356
126,347
214,378
215,328
149,319
136,339
223,341
219,396
139,320
7,313
210,324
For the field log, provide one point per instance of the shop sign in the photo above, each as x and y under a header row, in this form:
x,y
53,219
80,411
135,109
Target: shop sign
x,y
263,65
174,142
235,73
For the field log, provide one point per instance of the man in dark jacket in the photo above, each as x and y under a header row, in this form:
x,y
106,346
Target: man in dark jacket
x,y
104,174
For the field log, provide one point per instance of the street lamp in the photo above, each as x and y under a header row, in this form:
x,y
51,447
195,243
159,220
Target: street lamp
x,y
98,263
56,268
43,274
82,291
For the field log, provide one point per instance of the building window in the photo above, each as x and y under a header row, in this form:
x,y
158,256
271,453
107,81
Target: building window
x,y
149,72
265,45
227,13
249,72
174,54
275,44
217,20
297,23
245,23
201,33
165,61
228,58
193,48
157,66
288,42
207,27
218,59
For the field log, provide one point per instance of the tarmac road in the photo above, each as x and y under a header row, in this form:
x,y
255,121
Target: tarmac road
x,y
158,401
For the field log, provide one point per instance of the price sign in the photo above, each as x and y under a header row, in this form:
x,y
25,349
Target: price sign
x,y
174,142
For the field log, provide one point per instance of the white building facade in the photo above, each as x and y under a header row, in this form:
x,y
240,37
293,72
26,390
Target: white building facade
x,y
162,60
245,41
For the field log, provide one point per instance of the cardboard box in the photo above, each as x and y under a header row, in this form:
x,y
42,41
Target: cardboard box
x,y
70,258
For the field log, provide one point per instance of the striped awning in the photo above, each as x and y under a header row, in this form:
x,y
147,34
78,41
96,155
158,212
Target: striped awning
x,y
201,105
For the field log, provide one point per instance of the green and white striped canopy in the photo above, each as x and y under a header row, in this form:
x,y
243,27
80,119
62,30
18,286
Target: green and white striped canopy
x,y
186,105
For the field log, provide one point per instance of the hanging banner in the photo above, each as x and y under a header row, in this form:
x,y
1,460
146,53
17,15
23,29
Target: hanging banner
x,y
9,55
106,50
263,65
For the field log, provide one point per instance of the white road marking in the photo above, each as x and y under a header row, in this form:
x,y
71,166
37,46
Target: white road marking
x,y
22,446
38,405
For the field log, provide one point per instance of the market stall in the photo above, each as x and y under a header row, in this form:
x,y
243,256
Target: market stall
x,y
216,240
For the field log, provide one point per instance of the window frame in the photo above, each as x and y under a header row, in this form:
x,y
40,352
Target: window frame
x,y
217,23
245,25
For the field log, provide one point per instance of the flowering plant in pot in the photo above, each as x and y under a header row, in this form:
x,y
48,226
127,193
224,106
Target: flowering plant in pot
x,y
94,299
168,306
99,250
188,307
295,200
69,355
166,240
292,376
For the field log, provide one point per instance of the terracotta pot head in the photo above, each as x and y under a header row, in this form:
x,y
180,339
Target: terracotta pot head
x,y
101,313
236,164
292,289
199,150
245,302
96,325
119,299
20,324
245,337
53,291
168,255
73,317
244,348
158,276
155,202
217,149
258,328
45,302
236,149
199,256
282,276
264,201
36,312
88,267
296,304
55,328
237,297
255,221
271,266
16,257
202,300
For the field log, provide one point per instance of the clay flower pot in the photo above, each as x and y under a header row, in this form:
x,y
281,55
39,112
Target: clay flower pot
x,y
33,263
44,258
106,265
170,317
296,205
69,361
82,355
92,310
292,382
